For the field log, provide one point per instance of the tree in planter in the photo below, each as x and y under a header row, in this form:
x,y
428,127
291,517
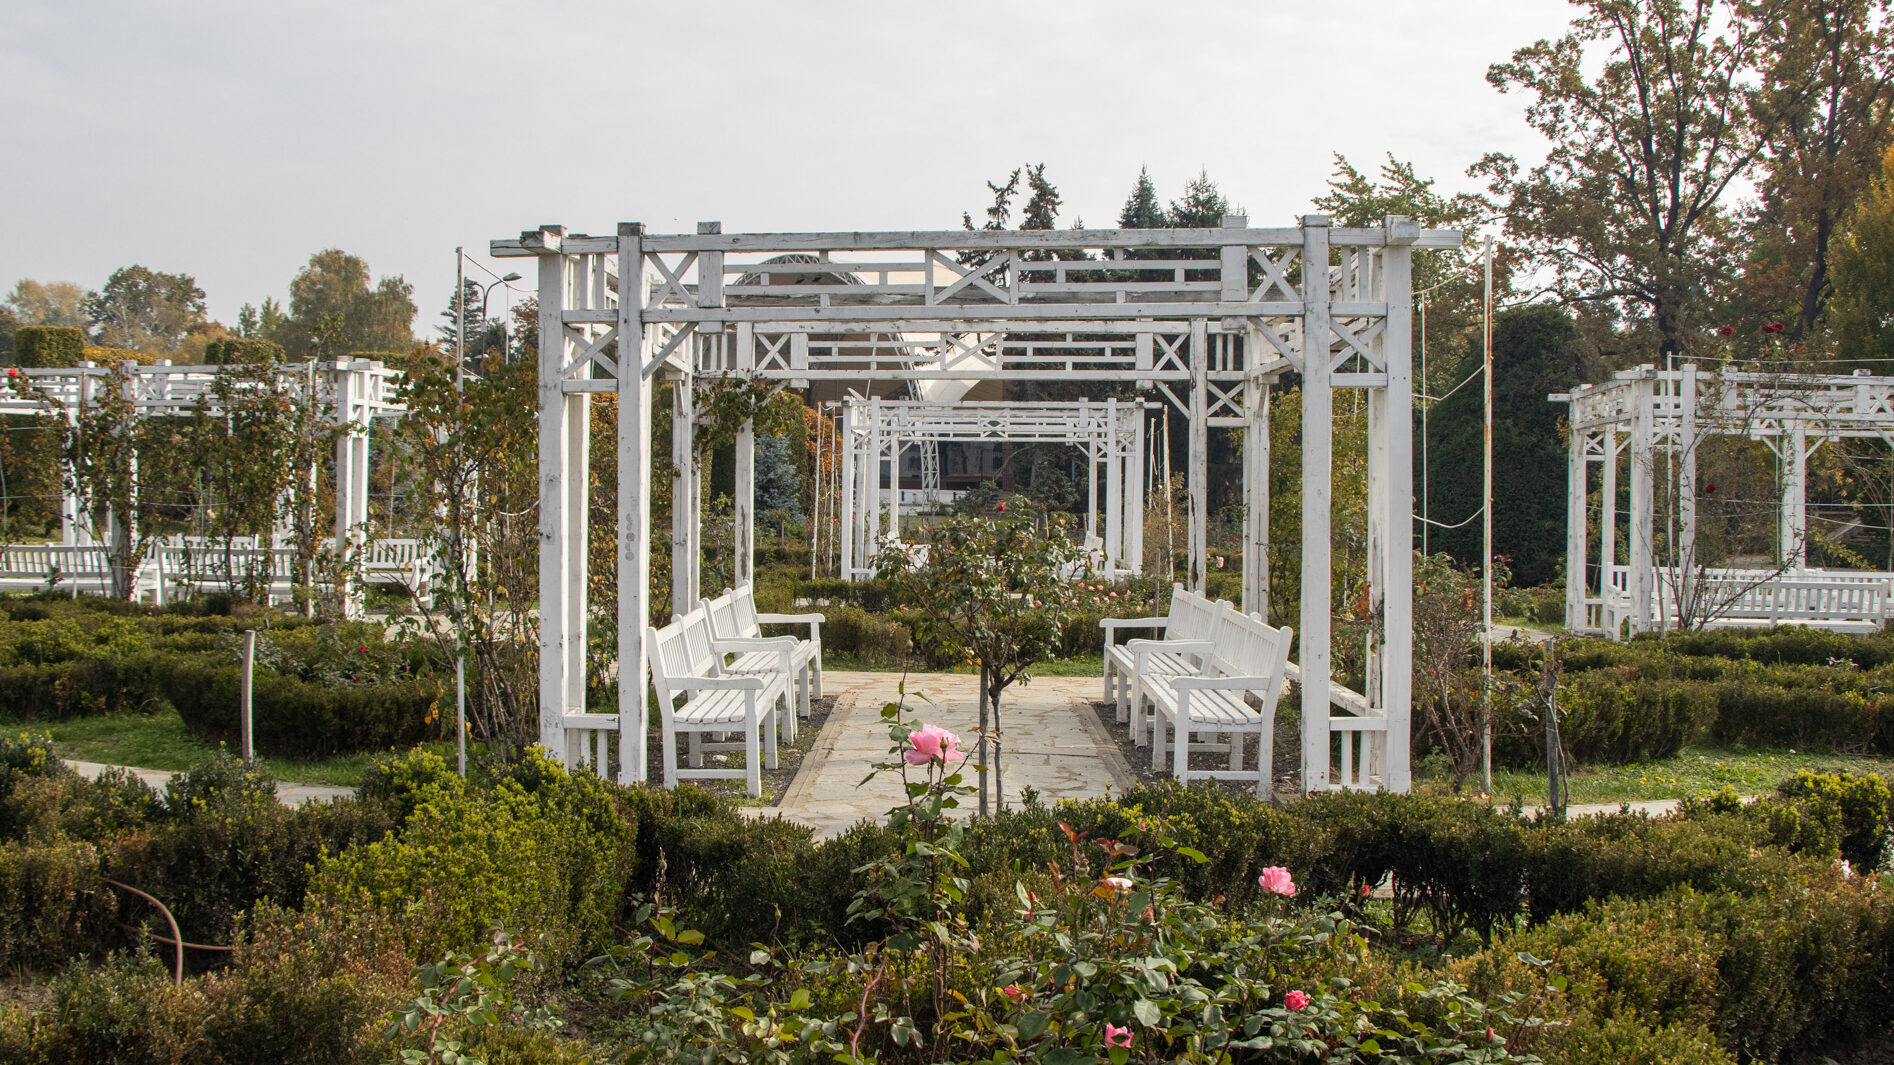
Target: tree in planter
x,y
100,460
472,450
991,593
248,450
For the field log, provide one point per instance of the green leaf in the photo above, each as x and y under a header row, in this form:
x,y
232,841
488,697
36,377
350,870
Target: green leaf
x,y
1066,1056
800,1000
1033,1025
1146,1012
690,937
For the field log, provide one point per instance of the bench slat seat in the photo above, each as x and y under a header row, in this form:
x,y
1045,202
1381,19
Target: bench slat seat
x,y
1232,694
1189,620
714,704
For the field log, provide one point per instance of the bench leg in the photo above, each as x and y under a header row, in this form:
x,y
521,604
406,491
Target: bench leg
x,y
816,665
1110,688
802,688
752,765
1158,745
769,737
670,756
787,727
697,750
1138,724
1236,750
1123,698
1180,753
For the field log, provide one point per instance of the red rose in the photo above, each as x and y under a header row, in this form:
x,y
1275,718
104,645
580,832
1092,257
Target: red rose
x,y
1772,327
1728,331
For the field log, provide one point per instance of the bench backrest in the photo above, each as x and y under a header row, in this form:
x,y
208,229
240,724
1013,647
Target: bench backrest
x,y
677,651
743,598
1246,646
723,616
1192,616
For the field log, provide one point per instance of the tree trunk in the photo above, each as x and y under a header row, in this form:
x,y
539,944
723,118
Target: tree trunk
x,y
999,754
982,755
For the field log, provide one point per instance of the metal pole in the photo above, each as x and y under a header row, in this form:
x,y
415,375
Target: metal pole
x,y
248,733
1426,406
1486,546
460,382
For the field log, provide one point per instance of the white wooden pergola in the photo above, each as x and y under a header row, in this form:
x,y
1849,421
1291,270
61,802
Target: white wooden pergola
x,y
353,392
1643,416
876,431
1206,317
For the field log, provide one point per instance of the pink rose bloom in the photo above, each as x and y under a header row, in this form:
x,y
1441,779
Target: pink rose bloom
x,y
1276,881
1116,1036
931,743
1296,1001
1014,993
1119,883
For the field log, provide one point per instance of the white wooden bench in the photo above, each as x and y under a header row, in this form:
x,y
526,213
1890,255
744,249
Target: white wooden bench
x,y
1186,634
195,564
1835,605
68,567
1247,660
698,698
744,623
401,564
741,655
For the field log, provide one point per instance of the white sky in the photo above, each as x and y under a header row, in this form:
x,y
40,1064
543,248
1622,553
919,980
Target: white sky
x,y
230,140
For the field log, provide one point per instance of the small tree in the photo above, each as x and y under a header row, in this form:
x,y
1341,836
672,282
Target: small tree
x,y
992,593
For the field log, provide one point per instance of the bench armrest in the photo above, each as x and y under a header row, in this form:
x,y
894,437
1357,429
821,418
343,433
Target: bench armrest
x,y
1224,683
1182,647
791,619
713,683
755,643
1134,623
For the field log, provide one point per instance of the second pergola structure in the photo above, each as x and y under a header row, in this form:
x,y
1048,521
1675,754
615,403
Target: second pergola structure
x,y
1654,422
1209,318
352,392
876,431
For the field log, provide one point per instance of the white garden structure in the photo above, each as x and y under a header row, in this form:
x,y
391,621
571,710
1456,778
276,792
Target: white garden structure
x,y
1651,421
353,392
875,432
1207,317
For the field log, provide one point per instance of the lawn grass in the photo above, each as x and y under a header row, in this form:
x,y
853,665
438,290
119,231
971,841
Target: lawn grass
x,y
160,741
1695,769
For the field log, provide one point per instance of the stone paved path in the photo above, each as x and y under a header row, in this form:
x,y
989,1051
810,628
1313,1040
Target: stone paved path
x,y
1054,744
288,794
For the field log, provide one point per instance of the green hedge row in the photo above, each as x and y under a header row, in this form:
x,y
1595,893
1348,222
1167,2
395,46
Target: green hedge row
x,y
1646,698
320,688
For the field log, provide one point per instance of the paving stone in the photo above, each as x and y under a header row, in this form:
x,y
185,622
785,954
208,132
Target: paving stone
x,y
1053,744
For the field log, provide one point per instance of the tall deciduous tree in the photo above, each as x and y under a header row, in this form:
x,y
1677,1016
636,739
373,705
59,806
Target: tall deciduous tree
x,y
335,284
1862,314
56,303
1627,213
145,310
1828,90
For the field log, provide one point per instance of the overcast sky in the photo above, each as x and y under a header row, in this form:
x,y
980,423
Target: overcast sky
x,y
230,140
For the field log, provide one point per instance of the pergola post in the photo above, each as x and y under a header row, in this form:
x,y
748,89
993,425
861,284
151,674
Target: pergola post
x,y
1114,491
893,532
1608,532
1131,485
1643,525
351,479
1397,505
634,507
1792,550
849,484
871,487
1199,474
743,507
1255,487
685,556
1576,478
1317,430
555,519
